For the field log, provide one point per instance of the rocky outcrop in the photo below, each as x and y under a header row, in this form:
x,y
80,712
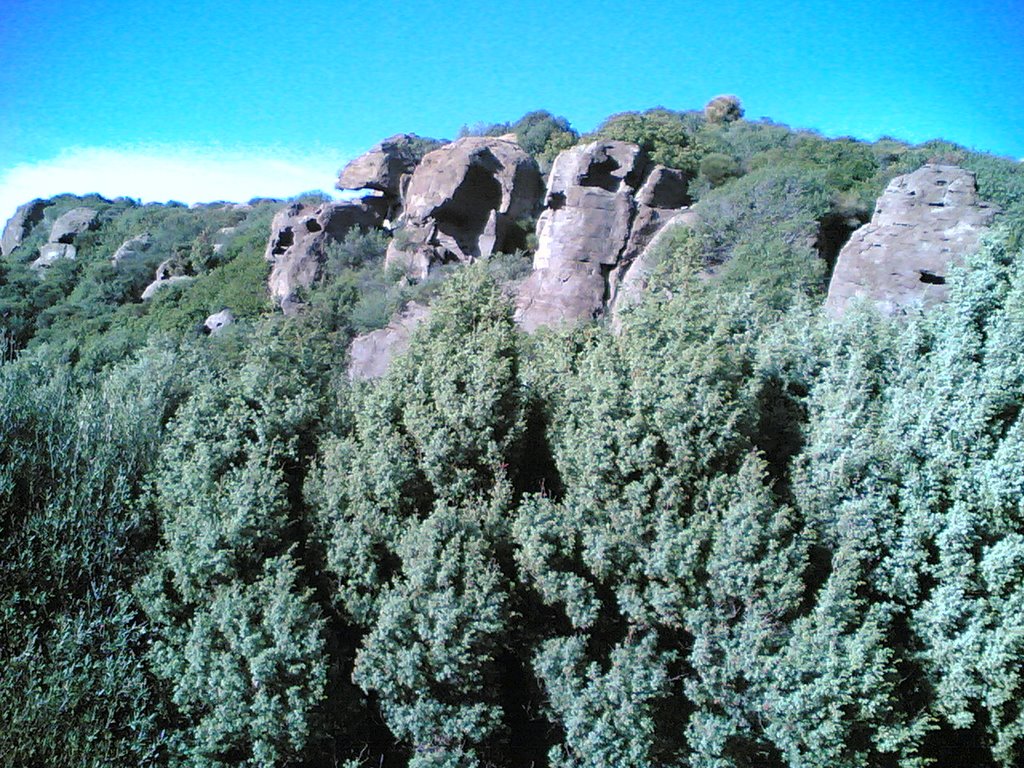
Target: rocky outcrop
x,y
299,236
65,230
634,282
217,322
462,202
604,204
20,224
72,224
168,273
131,249
924,223
51,253
371,354
384,167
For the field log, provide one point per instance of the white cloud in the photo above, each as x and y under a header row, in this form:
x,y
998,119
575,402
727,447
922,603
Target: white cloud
x,y
188,174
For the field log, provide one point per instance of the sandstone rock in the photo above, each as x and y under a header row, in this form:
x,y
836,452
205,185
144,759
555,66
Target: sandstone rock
x,y
371,354
52,253
73,223
633,285
561,295
218,321
299,236
131,249
924,223
20,225
383,167
168,273
604,204
461,202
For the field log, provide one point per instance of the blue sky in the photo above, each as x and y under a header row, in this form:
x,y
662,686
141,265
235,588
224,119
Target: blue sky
x,y
197,101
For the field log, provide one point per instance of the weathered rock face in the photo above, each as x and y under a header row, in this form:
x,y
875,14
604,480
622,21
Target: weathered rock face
x,y
20,224
299,236
462,201
371,354
604,204
168,273
131,249
218,321
924,222
73,223
51,253
633,284
383,168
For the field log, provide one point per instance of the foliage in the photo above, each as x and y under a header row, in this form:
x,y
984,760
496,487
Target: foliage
x,y
732,532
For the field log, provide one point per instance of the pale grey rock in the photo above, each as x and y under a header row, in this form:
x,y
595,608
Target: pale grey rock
x,y
218,321
924,223
131,249
51,253
20,225
461,202
299,236
371,354
72,224
168,273
604,203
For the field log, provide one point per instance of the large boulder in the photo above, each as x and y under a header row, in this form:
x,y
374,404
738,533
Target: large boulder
x,y
217,322
604,204
371,354
299,236
131,249
51,253
924,223
383,167
20,224
170,272
72,224
462,201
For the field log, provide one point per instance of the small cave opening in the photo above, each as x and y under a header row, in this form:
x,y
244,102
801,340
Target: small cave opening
x,y
600,174
556,200
312,225
834,230
927,276
285,240
464,216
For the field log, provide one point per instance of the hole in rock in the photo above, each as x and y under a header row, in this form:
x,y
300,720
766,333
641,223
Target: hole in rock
x,y
284,241
312,225
599,174
927,276
556,200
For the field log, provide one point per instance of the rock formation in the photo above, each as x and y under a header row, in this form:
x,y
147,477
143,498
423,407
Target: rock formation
x,y
372,353
51,253
462,201
604,204
924,223
168,273
20,224
299,236
131,249
217,322
72,224
634,283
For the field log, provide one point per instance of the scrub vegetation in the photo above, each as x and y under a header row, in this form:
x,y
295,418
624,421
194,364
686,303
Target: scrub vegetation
x,y
737,533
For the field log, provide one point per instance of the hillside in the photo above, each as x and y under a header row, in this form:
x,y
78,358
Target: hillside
x,y
694,441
